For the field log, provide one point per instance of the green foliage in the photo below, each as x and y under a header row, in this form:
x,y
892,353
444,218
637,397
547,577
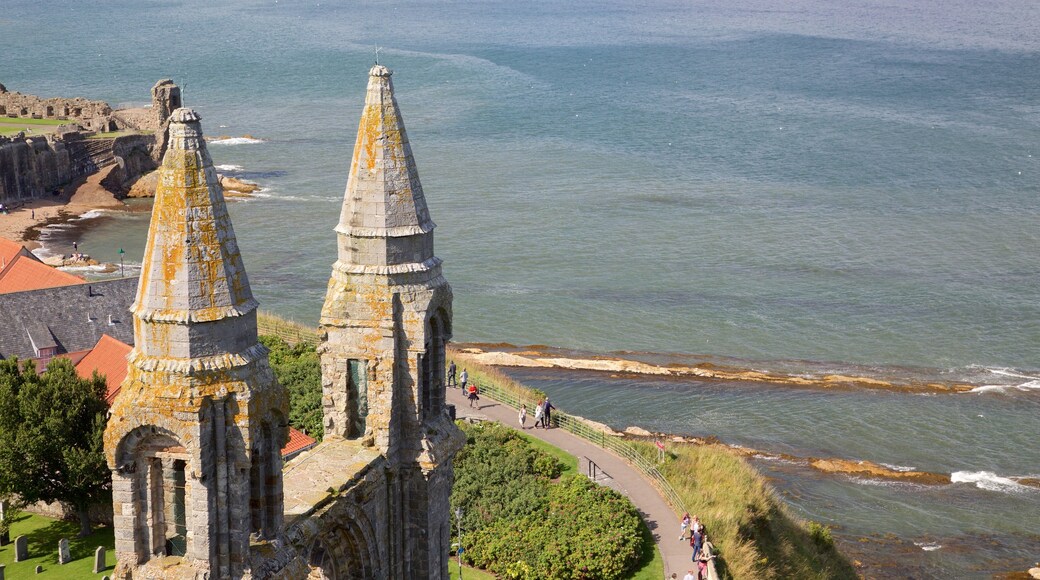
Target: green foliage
x,y
298,369
51,435
519,524
820,534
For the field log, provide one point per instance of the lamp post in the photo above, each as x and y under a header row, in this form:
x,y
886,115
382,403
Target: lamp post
x,y
458,518
121,252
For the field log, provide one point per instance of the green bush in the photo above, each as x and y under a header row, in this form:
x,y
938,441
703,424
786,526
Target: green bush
x,y
820,534
520,524
298,369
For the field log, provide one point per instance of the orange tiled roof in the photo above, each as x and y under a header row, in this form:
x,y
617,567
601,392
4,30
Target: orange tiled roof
x,y
9,251
298,441
24,273
108,357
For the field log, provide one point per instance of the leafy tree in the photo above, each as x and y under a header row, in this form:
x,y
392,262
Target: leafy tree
x,y
298,369
51,436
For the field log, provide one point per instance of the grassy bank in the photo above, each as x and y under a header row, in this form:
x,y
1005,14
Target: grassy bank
x,y
755,533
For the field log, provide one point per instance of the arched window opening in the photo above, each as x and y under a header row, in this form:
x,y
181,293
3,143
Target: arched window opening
x,y
157,467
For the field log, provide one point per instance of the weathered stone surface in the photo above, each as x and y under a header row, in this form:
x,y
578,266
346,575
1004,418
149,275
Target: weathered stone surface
x,y
64,557
99,560
387,316
196,431
637,431
237,185
21,549
91,114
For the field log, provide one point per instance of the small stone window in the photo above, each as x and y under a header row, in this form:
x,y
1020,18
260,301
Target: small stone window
x,y
357,397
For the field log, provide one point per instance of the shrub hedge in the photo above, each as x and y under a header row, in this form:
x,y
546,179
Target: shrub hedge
x,y
519,523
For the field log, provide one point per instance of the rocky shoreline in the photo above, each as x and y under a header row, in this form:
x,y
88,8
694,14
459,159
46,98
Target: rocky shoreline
x,y
537,356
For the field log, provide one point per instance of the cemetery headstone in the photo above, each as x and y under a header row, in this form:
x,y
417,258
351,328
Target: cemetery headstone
x,y
21,549
99,560
63,552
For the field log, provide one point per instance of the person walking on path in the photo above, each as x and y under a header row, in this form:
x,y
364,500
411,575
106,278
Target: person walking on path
x,y
451,382
523,417
696,543
547,414
538,410
696,525
689,575
706,562
685,523
473,396
463,378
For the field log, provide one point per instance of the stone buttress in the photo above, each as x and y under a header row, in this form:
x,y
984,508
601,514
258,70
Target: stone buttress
x,y
195,434
386,318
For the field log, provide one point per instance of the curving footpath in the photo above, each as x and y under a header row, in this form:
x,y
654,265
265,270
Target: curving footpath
x,y
614,472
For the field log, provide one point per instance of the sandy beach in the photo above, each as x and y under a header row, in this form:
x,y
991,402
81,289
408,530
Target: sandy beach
x,y
23,223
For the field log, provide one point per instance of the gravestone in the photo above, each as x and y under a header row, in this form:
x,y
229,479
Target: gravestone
x,y
63,552
39,569
99,560
1,572
21,549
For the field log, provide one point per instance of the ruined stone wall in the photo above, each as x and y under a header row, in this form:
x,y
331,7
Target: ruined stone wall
x,y
32,166
92,114
132,155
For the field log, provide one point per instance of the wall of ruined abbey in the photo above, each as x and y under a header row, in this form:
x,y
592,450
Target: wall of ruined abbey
x,y
91,114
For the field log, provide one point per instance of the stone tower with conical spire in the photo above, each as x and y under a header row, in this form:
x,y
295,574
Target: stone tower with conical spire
x,y
194,436
386,319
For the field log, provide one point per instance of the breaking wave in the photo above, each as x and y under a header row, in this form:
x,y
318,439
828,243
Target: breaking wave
x,y
229,167
236,141
988,480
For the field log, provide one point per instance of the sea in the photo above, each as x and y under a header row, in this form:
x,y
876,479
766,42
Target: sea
x,y
810,185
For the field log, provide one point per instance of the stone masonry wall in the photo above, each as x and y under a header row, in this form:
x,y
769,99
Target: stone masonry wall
x,y
33,166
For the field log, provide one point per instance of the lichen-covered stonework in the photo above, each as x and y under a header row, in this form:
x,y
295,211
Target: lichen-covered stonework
x,y
193,441
195,434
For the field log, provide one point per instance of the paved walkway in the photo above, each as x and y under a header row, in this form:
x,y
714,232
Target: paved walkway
x,y
614,472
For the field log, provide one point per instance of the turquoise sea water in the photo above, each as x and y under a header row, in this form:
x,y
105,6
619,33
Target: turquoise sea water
x,y
809,183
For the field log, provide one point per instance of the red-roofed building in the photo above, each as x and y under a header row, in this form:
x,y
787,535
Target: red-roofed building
x,y
108,357
9,251
297,444
28,273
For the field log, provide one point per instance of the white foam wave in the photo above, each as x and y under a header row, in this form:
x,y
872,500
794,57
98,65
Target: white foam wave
x,y
898,467
229,167
988,480
928,546
1026,386
94,213
236,141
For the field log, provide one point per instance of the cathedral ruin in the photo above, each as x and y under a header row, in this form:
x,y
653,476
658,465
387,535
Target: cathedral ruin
x,y
199,489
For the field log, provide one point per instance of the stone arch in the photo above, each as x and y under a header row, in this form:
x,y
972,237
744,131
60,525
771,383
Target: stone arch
x,y
24,112
350,544
432,361
265,476
152,467
50,111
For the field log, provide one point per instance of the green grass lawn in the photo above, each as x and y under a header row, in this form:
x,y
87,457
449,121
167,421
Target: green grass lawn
x,y
43,535
23,121
570,462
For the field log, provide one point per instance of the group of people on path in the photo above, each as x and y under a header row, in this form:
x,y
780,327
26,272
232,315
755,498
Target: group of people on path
x,y
692,530
472,393
542,414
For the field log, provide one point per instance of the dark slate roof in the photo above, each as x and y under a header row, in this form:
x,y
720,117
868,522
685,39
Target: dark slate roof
x,y
72,318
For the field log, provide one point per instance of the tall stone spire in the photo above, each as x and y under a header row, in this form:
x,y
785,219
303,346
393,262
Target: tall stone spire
x,y
384,220
386,319
195,434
